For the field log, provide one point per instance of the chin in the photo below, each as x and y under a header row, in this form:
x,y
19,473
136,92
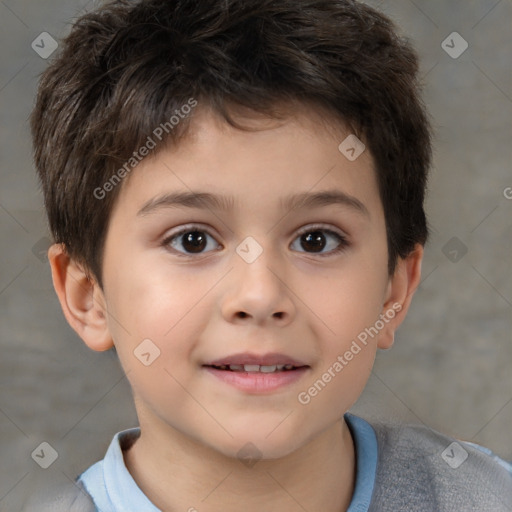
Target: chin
x,y
258,445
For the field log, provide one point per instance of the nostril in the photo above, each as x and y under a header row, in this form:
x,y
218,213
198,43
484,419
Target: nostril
x,y
242,314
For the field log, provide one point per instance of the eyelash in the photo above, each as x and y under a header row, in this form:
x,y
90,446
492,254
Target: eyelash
x,y
342,240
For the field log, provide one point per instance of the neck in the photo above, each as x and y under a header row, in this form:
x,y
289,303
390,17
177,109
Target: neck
x,y
178,473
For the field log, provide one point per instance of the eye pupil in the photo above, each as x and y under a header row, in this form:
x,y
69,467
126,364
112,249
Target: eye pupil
x,y
194,241
315,240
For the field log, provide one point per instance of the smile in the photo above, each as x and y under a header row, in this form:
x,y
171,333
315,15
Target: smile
x,y
255,368
257,379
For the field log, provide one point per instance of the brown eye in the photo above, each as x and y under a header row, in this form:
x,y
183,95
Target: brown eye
x,y
315,240
190,241
194,242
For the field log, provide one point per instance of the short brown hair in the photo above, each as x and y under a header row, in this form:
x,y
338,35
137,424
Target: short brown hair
x,y
126,67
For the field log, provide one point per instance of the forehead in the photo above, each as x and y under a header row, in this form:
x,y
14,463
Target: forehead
x,y
298,122
271,158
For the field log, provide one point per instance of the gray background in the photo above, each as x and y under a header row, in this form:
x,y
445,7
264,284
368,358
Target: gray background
x,y
450,366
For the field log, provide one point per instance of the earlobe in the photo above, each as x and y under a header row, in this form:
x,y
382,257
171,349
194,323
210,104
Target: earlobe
x,y
401,288
81,299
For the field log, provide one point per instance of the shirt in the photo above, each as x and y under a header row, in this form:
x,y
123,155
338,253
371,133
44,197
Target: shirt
x,y
409,468
114,490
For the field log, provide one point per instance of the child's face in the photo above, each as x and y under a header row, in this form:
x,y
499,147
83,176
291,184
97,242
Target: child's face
x,y
202,306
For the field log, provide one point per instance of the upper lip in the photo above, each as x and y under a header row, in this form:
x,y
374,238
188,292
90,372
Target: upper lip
x,y
262,360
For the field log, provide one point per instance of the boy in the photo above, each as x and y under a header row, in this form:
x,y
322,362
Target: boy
x,y
236,194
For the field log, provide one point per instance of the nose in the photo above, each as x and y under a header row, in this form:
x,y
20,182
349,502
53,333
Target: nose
x,y
258,292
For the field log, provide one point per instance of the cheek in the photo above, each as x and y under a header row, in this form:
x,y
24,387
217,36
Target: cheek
x,y
348,301
152,317
153,297
338,382
156,305
347,351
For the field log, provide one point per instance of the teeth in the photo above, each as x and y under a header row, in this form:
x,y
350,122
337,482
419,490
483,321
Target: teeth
x,y
251,367
256,367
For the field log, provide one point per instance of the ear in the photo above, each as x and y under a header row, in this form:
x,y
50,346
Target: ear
x,y
401,288
81,299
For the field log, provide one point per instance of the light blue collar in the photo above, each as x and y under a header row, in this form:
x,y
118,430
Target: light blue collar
x,y
113,489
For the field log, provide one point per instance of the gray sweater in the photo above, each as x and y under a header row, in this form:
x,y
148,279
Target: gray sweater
x,y
418,470
413,476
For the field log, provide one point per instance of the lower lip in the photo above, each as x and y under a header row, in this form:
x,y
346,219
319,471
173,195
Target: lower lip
x,y
257,382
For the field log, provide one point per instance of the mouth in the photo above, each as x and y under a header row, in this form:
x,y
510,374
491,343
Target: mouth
x,y
255,374
250,362
256,368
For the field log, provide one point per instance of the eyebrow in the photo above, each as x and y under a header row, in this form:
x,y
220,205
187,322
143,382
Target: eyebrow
x,y
206,200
